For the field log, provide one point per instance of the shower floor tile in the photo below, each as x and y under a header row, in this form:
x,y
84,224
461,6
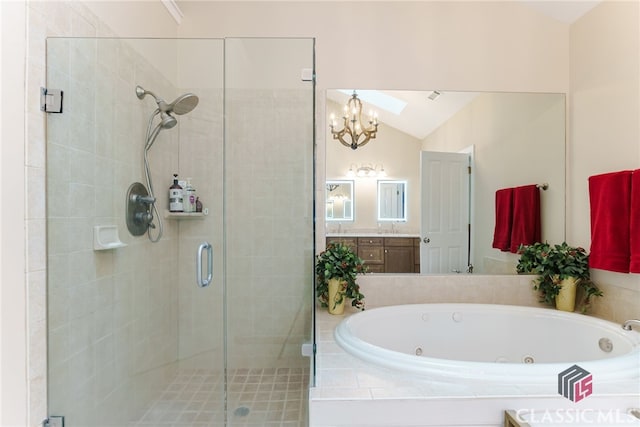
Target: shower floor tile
x,y
257,397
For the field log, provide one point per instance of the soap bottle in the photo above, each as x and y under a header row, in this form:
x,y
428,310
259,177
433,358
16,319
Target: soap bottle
x,y
189,197
198,205
175,196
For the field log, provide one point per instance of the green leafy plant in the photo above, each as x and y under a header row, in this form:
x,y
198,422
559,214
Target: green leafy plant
x,y
554,263
339,261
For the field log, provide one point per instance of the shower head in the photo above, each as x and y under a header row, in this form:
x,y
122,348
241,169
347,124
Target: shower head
x,y
182,105
167,121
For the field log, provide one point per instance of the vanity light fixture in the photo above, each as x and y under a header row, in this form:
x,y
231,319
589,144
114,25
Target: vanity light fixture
x,y
366,170
353,134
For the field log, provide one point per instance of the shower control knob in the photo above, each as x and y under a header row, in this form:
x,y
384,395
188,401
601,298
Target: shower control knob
x,y
144,218
137,198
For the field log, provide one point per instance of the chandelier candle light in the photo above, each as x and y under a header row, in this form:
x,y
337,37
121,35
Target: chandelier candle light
x,y
352,125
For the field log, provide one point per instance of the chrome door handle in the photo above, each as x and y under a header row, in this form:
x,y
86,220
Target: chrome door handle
x,y
426,240
202,283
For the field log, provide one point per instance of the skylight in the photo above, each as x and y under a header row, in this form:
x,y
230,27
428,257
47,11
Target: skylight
x,y
379,99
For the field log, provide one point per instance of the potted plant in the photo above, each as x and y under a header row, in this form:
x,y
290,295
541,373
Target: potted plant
x,y
336,271
560,269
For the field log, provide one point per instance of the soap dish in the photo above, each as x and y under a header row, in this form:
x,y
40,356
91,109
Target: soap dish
x,y
106,237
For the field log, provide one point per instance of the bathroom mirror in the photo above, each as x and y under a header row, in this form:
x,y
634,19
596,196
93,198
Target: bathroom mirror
x,y
392,201
339,200
513,139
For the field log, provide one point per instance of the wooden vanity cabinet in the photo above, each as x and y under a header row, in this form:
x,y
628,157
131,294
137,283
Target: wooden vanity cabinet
x,y
399,255
385,254
371,250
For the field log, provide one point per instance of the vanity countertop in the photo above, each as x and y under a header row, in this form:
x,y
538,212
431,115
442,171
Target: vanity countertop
x,y
371,235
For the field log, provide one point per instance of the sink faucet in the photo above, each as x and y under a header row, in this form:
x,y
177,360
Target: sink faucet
x,y
627,326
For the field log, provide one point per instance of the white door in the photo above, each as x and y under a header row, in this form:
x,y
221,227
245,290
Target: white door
x,y
445,212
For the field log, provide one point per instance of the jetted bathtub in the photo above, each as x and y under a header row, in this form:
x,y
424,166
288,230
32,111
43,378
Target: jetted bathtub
x,y
491,344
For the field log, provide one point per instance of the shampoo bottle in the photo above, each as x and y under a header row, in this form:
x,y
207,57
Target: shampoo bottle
x,y
175,196
189,197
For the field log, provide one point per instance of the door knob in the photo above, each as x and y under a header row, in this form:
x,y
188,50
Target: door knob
x,y
426,240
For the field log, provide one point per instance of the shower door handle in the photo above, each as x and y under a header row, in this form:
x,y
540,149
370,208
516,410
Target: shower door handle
x,y
202,282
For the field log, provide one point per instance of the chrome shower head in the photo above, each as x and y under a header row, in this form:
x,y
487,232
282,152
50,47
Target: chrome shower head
x,y
182,105
167,121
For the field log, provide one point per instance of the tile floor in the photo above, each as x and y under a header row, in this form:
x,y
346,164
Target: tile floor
x,y
257,397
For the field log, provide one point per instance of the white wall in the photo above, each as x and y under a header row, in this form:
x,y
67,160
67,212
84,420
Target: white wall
x,y
466,45
604,119
133,18
13,296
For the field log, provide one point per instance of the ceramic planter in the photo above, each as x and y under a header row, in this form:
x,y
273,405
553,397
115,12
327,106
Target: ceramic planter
x,y
336,296
566,298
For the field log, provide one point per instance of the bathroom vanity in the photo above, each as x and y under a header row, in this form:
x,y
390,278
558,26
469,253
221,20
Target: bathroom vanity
x,y
382,253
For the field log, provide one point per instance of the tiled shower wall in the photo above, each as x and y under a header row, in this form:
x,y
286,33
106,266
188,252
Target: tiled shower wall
x,y
269,216
44,19
112,313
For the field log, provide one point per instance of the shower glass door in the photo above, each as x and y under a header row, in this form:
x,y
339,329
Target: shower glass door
x,y
268,228
132,339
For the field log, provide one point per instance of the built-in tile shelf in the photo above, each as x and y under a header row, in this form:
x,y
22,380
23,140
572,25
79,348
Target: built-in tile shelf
x,y
183,215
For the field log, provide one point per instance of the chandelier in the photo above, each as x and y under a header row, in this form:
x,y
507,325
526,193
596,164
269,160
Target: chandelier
x,y
353,134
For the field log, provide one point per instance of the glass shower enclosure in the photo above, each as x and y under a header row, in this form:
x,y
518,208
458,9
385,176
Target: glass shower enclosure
x,y
133,340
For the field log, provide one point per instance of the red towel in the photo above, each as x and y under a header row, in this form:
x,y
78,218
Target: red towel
x,y
634,225
610,200
504,217
526,227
